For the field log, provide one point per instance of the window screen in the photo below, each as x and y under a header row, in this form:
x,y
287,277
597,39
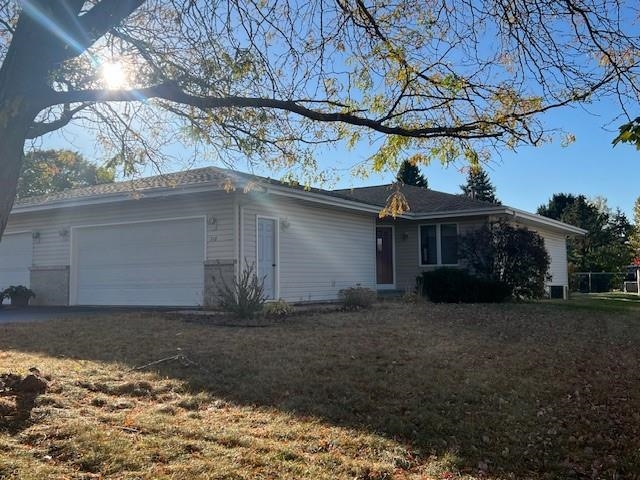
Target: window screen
x,y
449,243
428,245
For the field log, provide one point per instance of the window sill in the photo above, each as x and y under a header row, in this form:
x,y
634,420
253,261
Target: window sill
x,y
439,265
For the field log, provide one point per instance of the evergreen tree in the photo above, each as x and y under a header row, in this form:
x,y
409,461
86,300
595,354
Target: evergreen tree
x,y
409,174
479,186
606,247
558,203
635,234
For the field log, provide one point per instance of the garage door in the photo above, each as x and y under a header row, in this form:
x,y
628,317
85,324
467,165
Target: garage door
x,y
16,256
150,263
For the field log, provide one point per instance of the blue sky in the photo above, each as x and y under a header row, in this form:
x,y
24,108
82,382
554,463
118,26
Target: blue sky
x,y
524,179
528,177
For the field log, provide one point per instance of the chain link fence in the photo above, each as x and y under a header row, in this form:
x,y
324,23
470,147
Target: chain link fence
x,y
600,282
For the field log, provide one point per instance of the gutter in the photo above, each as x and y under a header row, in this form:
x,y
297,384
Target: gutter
x,y
113,198
324,199
458,213
162,192
517,214
547,222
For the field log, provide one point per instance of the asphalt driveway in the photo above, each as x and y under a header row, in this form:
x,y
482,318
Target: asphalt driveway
x,y
39,314
9,314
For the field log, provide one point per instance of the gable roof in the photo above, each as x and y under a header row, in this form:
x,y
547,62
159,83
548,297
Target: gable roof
x,y
427,204
188,181
421,200
212,177
424,203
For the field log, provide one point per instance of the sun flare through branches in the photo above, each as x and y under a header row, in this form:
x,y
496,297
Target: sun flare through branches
x,y
114,75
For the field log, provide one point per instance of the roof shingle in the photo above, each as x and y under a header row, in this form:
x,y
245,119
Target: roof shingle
x,y
421,200
215,176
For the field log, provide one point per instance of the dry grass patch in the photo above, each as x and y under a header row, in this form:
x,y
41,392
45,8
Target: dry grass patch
x,y
421,391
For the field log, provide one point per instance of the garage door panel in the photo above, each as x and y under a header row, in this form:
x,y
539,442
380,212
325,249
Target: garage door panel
x,y
151,263
159,243
143,296
141,274
148,259
16,257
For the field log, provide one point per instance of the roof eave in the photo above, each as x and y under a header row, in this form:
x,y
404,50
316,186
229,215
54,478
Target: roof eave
x,y
458,213
318,197
503,210
116,197
547,222
262,187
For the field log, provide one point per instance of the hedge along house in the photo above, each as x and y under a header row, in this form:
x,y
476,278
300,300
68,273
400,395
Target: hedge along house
x,y
171,240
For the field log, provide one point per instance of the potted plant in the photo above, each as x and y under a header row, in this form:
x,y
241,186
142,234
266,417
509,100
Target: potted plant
x,y
19,295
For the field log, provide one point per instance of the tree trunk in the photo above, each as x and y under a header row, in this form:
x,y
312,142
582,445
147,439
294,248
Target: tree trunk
x,y
23,85
11,154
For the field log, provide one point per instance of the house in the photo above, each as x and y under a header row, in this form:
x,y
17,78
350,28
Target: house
x,y
172,239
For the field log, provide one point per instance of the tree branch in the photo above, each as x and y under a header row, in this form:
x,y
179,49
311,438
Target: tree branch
x,y
106,15
37,129
170,92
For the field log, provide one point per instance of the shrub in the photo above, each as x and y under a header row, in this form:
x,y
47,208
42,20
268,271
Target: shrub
x,y
411,296
509,254
279,308
19,295
355,298
18,291
245,297
452,285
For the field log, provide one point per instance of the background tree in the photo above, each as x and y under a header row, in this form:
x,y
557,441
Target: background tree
x,y
515,256
556,205
47,171
479,186
409,174
606,247
635,234
268,81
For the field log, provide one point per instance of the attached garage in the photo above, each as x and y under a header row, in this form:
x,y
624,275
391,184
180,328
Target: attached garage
x,y
143,263
16,258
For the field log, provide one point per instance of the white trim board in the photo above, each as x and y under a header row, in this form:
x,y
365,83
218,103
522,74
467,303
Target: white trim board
x,y
276,280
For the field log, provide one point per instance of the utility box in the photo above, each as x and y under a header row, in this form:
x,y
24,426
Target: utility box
x,y
556,292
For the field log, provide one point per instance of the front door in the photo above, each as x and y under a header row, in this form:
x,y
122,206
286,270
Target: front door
x,y
384,255
267,231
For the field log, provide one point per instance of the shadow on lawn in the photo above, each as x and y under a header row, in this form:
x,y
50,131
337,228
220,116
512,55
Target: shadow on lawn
x,y
524,389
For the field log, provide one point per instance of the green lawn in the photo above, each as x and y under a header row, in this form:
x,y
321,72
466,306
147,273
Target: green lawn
x,y
604,302
401,391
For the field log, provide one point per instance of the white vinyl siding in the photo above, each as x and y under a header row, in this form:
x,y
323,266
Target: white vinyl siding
x,y
321,249
556,245
16,252
52,247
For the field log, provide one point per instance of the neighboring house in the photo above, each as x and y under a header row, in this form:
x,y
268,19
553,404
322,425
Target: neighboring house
x,y
171,239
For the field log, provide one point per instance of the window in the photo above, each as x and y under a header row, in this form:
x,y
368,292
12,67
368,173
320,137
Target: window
x,y
439,244
449,244
428,245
